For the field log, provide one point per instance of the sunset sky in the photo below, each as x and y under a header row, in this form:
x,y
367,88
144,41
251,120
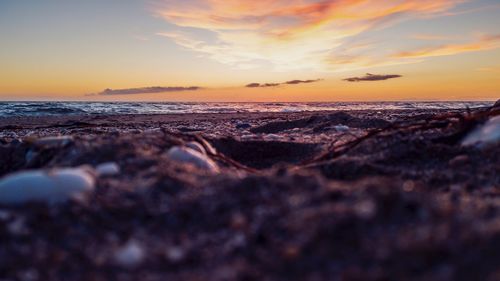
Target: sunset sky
x,y
242,50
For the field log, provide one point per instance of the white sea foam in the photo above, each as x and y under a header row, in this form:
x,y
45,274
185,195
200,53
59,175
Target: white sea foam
x,y
78,108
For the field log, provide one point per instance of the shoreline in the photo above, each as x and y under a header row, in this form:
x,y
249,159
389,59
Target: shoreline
x,y
21,120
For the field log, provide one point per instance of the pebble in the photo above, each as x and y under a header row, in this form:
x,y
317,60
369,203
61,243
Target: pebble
x,y
191,156
56,141
341,128
196,146
17,226
49,186
272,137
175,254
108,169
153,130
365,209
130,255
459,160
247,137
241,126
487,133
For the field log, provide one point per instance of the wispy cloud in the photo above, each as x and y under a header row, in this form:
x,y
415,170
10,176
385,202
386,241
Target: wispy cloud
x,y
373,77
494,69
145,90
488,42
287,34
434,37
291,82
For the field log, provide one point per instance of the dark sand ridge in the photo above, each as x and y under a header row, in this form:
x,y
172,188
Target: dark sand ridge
x,y
299,197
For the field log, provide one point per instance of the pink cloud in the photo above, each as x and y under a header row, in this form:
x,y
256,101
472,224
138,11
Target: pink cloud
x,y
288,34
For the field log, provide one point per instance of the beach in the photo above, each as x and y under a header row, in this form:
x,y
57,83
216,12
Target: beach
x,y
401,194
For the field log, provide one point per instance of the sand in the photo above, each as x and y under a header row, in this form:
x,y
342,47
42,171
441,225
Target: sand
x,y
356,195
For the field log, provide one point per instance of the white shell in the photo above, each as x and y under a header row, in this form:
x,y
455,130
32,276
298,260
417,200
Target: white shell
x,y
55,141
50,186
188,155
108,169
487,133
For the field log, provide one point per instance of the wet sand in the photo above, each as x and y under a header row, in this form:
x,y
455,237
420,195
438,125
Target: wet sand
x,y
353,195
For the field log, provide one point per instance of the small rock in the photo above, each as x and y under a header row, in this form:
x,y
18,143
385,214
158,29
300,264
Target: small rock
x,y
50,186
247,137
272,137
175,254
29,275
108,169
456,188
56,141
484,134
238,221
459,160
130,255
341,128
365,209
196,146
191,156
409,186
17,226
241,126
153,130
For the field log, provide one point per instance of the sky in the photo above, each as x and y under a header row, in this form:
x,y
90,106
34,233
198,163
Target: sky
x,y
249,50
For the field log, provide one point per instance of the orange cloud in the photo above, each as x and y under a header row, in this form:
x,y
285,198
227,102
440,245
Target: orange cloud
x,y
288,34
485,43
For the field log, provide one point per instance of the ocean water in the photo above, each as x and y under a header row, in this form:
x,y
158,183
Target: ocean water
x,y
93,108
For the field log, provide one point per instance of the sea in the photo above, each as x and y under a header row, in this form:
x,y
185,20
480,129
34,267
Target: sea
x,y
19,109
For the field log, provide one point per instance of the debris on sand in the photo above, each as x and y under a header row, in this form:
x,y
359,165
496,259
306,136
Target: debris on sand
x,y
49,186
191,156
